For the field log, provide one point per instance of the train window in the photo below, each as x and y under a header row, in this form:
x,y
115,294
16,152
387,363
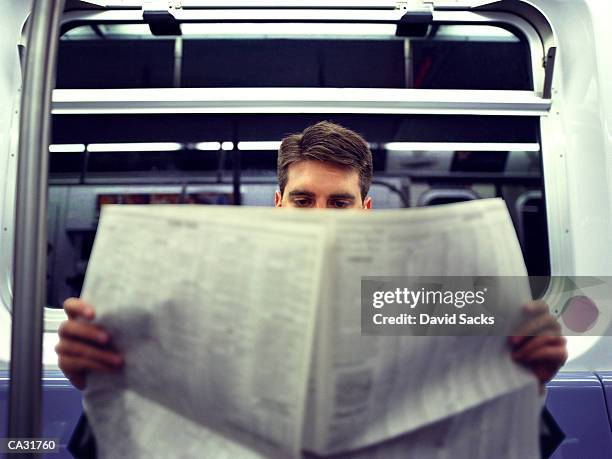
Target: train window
x,y
231,159
450,56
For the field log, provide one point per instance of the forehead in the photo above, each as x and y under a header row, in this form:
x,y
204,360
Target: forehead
x,y
321,175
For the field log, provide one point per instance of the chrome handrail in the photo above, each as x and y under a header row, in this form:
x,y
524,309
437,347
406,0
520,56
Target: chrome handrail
x,y
30,221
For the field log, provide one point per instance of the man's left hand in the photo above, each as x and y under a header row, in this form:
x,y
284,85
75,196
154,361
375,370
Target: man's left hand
x,y
538,344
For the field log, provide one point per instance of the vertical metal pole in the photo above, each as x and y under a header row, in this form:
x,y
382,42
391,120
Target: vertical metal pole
x,y
236,176
408,64
178,61
237,166
30,221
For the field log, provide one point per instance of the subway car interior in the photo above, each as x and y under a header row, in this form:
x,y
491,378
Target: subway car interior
x,y
458,100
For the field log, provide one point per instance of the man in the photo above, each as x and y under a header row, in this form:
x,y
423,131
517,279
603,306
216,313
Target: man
x,y
326,166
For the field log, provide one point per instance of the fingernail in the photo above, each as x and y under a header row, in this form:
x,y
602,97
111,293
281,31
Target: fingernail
x,y
102,337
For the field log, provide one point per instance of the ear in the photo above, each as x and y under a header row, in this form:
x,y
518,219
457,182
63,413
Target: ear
x,y
278,199
367,203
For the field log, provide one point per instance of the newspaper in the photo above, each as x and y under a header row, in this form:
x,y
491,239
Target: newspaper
x,y
242,336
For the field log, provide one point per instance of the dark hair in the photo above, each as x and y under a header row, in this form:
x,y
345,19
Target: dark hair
x,y
330,143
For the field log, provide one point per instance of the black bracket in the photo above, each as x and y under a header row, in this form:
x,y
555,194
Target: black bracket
x,y
549,68
162,23
414,24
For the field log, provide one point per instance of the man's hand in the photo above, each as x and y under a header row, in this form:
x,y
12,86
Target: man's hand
x,y
538,344
84,347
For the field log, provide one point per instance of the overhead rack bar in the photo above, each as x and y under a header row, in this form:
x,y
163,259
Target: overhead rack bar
x,y
296,101
287,15
331,4
267,4
252,15
327,4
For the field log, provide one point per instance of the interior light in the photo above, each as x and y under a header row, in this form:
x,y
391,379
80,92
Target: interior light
x,y
444,146
124,147
67,148
259,146
208,146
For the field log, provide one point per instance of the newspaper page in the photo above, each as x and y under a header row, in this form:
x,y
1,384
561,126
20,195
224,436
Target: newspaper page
x,y
216,325
474,433
370,396
372,388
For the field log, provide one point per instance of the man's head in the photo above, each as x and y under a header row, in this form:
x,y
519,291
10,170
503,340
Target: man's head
x,y
326,166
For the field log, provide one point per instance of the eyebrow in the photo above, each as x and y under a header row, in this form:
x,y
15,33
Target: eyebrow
x,y
301,193
310,194
342,196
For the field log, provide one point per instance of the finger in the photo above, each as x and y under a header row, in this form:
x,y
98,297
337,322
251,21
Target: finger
x,y
556,355
77,308
544,324
530,311
72,329
540,325
77,380
73,365
76,348
535,344
535,308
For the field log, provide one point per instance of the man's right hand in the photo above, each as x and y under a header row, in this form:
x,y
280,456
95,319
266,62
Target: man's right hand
x,y
84,347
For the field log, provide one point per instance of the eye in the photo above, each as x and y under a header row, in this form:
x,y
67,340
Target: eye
x,y
340,204
301,202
